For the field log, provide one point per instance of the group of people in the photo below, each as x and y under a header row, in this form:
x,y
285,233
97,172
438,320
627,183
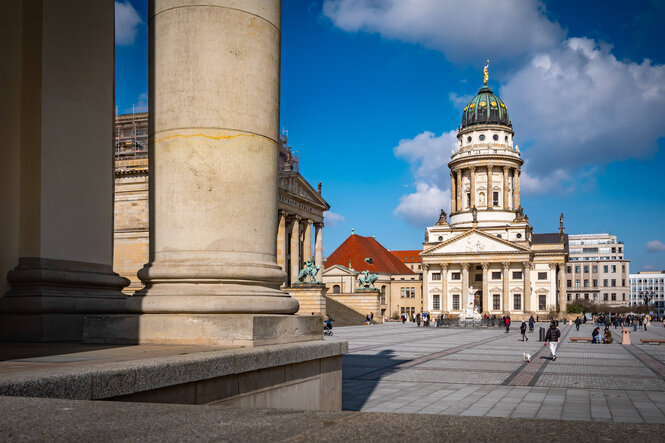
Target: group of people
x,y
606,337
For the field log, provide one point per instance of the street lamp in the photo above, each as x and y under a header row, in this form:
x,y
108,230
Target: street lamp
x,y
646,296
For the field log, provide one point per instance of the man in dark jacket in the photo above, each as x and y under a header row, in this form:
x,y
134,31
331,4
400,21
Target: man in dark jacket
x,y
531,322
578,322
552,337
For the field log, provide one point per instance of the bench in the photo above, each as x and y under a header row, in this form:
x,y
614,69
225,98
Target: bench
x,y
587,339
652,340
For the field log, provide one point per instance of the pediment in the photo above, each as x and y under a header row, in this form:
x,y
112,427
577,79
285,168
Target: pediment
x,y
336,270
294,185
474,242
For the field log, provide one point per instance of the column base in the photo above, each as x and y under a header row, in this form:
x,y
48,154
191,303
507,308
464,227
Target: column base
x,y
49,298
201,329
311,298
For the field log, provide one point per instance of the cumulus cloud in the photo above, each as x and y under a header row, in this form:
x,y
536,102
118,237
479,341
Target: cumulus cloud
x,y
422,207
332,219
462,30
655,246
578,105
127,22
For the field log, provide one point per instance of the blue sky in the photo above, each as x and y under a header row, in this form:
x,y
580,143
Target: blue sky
x,y
372,94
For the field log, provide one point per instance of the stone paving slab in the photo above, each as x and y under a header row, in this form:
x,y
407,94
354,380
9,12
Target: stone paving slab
x,y
480,372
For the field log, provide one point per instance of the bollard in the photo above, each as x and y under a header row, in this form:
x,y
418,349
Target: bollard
x,y
541,334
625,336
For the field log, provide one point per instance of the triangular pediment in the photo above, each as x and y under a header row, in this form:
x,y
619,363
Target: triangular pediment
x,y
474,242
337,270
295,185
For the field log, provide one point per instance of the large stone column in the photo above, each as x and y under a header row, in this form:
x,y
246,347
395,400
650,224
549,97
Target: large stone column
x,y
453,198
506,287
460,205
427,297
307,241
506,203
516,190
281,240
563,297
295,248
490,191
444,287
527,287
318,249
473,186
56,174
465,285
486,297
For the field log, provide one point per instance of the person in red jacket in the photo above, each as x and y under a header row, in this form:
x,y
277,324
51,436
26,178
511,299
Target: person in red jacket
x,y
507,323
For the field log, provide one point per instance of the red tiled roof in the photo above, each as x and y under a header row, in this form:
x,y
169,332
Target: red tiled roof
x,y
409,256
356,248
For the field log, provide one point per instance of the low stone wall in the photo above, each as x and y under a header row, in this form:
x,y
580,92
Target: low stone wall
x,y
362,302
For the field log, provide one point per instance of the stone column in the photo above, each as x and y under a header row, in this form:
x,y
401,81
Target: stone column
x,y
486,296
281,240
318,249
427,297
307,241
444,287
506,287
490,191
214,75
460,205
527,287
56,174
516,189
506,203
473,186
295,248
563,295
453,198
465,286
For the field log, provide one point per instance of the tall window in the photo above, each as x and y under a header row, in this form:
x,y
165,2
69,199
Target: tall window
x,y
605,268
594,268
577,282
577,269
605,282
383,294
496,275
614,268
614,297
586,268
517,302
455,302
436,276
495,198
496,302
569,269
614,282
413,292
336,289
595,283
604,297
468,199
542,305
402,292
436,302
569,283
479,277
586,283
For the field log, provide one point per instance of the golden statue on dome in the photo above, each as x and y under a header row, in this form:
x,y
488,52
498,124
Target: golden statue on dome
x,y
485,75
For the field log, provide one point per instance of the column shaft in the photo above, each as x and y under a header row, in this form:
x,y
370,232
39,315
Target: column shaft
x,y
318,249
506,288
281,241
465,286
490,191
453,192
307,241
473,186
506,203
563,297
427,297
460,205
516,190
486,297
527,287
444,287
295,249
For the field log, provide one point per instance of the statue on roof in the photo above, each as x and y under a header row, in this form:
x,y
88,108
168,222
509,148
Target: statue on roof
x,y
485,75
561,228
442,218
474,212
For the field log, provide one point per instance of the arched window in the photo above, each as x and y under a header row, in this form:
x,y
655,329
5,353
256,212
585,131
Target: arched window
x,y
336,289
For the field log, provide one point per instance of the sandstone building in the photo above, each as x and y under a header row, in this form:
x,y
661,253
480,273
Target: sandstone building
x,y
488,244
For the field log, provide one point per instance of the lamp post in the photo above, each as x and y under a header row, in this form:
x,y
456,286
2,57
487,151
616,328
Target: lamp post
x,y
646,296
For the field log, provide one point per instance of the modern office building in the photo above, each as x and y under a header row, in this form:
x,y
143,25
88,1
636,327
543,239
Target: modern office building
x,y
651,283
597,269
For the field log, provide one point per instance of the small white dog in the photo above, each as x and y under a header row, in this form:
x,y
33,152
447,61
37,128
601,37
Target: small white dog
x,y
526,357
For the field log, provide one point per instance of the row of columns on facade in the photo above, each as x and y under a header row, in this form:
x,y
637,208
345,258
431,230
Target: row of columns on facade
x,y
456,187
298,235
506,266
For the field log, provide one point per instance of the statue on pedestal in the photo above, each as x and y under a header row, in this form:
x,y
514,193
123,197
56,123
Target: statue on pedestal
x,y
309,270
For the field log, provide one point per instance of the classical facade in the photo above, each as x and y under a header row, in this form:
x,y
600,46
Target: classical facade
x,y
488,245
598,270
300,206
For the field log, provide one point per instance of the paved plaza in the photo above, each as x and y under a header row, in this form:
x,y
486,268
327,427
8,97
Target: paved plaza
x,y
480,372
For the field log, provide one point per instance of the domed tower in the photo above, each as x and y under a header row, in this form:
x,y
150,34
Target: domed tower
x,y
485,167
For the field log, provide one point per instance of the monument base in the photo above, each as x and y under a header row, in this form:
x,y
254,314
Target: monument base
x,y
201,329
311,298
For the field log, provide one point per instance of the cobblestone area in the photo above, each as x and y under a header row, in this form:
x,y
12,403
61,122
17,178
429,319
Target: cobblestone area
x,y
481,372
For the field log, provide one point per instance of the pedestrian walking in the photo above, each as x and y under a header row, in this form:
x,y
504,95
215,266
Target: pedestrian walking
x,y
523,331
552,337
371,318
507,323
578,322
531,323
418,319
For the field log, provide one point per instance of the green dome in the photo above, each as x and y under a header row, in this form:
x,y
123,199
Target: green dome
x,y
485,108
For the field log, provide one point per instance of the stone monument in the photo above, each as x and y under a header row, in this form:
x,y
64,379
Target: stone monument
x,y
470,313
311,295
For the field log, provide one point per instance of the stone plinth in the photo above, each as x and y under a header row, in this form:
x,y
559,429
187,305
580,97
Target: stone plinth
x,y
364,301
311,298
202,329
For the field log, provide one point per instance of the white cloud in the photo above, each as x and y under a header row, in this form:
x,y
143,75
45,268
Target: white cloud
x,y
429,155
422,207
332,219
655,246
127,21
648,268
463,30
577,105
